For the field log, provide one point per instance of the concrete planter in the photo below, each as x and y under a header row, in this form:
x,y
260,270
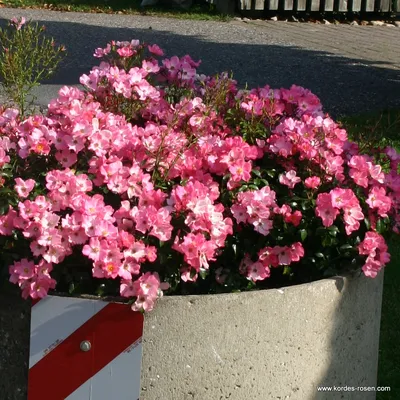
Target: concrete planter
x,y
261,345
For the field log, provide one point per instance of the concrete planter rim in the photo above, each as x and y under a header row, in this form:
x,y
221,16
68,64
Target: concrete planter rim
x,y
295,287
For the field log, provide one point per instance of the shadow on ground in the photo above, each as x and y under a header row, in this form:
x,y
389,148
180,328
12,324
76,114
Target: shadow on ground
x,y
353,342
345,86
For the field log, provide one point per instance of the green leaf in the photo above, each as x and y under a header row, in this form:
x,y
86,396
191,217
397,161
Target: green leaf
x,y
203,273
333,230
327,241
192,273
234,248
271,172
380,226
305,205
367,223
303,234
7,174
101,289
256,172
346,247
250,285
319,255
71,288
287,270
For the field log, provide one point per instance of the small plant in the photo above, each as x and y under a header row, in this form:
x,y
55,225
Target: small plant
x,y
27,58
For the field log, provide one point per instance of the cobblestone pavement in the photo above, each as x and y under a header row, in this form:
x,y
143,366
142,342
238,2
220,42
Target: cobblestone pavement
x,y
374,45
352,68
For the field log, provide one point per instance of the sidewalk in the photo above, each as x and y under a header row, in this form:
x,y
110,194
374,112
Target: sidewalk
x,y
352,69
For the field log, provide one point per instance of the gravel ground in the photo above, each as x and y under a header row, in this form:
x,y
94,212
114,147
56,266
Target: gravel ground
x,y
352,68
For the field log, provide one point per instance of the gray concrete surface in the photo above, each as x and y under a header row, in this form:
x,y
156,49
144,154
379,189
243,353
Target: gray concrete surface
x,y
352,68
265,345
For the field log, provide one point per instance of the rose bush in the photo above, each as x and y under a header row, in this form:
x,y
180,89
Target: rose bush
x,y
156,179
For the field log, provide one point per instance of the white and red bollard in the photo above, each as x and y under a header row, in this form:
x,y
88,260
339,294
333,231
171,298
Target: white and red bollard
x,y
84,349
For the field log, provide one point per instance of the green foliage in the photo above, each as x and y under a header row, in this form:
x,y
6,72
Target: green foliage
x,y
27,58
389,352
374,129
